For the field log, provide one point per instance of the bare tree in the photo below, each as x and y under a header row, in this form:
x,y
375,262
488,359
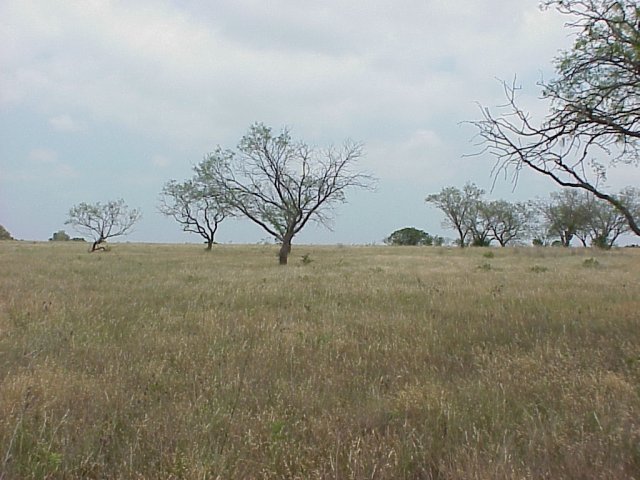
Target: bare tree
x,y
460,208
507,222
594,106
281,184
195,206
102,221
606,223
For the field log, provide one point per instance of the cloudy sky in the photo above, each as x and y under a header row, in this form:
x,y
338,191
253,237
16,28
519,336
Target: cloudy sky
x,y
105,99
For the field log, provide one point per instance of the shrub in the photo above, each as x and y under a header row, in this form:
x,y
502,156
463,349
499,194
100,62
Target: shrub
x,y
60,236
591,263
538,269
412,236
4,234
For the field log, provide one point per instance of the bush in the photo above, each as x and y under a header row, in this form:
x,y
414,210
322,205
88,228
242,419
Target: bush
x,y
60,236
591,263
412,236
4,234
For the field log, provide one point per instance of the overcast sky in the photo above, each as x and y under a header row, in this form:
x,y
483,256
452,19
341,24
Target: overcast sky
x,y
104,99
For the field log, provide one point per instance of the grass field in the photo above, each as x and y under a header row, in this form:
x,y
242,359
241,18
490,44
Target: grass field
x,y
164,361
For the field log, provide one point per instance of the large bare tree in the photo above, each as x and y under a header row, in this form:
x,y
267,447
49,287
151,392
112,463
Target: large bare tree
x,y
594,117
281,184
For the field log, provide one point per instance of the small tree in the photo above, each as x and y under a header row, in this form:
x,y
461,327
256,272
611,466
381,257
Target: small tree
x,y
102,221
460,208
565,214
605,222
410,236
507,222
4,234
198,208
60,236
281,184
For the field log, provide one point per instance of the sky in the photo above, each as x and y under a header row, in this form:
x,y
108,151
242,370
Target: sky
x,y
105,99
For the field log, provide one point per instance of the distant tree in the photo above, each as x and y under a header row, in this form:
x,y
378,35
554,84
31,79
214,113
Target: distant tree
x,y
60,236
460,208
565,214
507,222
594,106
4,234
410,236
606,223
281,184
103,221
199,208
478,223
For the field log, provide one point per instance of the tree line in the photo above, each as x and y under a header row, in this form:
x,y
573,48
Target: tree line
x,y
276,182
565,215
593,123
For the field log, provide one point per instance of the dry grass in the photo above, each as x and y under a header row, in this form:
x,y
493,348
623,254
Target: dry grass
x,y
155,361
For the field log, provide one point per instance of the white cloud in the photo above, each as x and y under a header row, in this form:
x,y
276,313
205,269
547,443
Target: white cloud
x,y
64,123
179,77
42,155
44,164
160,161
189,73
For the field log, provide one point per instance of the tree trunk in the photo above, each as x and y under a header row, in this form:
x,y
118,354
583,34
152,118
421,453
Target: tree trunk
x,y
209,245
285,249
97,245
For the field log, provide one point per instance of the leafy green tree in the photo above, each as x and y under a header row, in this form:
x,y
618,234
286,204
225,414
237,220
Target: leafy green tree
x,y
103,221
594,106
197,207
4,234
460,208
281,184
412,236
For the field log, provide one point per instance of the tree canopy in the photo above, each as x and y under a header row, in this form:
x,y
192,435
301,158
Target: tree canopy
x,y
412,236
4,234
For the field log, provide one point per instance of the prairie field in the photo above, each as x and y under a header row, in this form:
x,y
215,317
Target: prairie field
x,y
166,362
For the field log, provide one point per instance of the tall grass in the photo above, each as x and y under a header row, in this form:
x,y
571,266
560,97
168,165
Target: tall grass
x,y
165,361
